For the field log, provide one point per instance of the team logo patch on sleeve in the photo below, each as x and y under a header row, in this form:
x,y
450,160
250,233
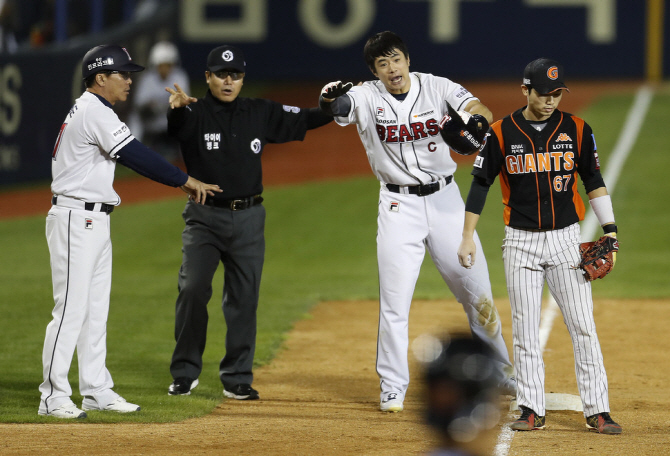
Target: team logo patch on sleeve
x,y
461,93
394,207
123,129
479,161
293,109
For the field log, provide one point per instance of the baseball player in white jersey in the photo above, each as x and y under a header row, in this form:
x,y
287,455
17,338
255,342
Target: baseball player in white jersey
x,y
539,153
420,206
90,142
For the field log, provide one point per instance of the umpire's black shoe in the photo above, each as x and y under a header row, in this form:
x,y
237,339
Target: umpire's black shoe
x,y
603,423
528,421
182,386
241,392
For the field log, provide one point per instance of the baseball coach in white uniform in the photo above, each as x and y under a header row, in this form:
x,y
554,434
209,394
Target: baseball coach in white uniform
x,y
90,142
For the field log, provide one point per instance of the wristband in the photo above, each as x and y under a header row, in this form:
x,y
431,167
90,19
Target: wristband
x,y
610,228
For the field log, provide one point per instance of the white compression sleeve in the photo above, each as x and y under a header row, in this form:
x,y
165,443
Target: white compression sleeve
x,y
602,207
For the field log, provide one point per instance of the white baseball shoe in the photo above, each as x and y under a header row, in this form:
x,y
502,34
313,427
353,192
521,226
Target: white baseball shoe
x,y
118,405
67,411
391,403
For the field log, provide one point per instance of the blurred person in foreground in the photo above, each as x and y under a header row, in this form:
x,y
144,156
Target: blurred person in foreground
x,y
461,394
149,116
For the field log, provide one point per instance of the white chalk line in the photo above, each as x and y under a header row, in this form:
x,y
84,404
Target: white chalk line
x,y
629,133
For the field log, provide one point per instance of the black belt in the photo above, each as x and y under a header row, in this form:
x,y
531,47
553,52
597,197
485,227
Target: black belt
x,y
235,204
420,190
106,208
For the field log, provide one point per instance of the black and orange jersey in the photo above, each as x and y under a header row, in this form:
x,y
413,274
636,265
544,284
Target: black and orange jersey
x,y
538,169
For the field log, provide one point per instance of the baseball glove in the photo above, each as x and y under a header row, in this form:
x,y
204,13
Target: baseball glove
x,y
465,133
598,257
335,89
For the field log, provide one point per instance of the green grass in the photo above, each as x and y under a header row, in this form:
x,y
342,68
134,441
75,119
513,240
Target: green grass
x,y
320,246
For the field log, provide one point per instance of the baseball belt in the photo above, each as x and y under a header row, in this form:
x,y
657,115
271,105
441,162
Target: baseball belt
x,y
420,190
235,204
74,203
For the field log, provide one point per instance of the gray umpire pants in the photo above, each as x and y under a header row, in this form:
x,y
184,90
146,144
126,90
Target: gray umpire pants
x,y
236,239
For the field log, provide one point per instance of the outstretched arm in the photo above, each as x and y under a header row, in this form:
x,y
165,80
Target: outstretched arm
x,y
332,101
198,191
179,98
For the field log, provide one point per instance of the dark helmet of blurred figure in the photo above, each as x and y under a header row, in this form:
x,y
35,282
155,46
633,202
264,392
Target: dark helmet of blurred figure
x,y
461,388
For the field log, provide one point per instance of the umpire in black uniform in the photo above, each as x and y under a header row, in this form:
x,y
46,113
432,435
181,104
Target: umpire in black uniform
x,y
222,138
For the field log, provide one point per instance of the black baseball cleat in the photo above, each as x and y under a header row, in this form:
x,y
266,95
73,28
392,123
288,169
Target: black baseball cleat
x,y
241,392
603,423
182,386
528,421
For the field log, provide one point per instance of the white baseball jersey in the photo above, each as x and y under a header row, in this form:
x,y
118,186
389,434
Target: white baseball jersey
x,y
402,138
83,157
404,146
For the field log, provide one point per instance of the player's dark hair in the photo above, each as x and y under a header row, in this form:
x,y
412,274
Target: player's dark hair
x,y
382,44
89,81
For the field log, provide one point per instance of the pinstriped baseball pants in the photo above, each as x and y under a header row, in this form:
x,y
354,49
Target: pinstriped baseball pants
x,y
530,258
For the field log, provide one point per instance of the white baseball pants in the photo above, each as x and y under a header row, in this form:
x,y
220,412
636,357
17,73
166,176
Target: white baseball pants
x,y
407,224
81,269
530,257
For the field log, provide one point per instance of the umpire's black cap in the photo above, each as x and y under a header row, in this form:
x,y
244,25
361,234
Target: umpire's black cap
x,y
544,75
226,58
107,57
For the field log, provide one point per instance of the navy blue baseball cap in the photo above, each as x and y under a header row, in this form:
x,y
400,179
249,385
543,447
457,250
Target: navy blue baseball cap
x,y
544,75
226,58
108,57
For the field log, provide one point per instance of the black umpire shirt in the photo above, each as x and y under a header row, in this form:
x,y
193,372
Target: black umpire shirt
x,y
538,169
222,143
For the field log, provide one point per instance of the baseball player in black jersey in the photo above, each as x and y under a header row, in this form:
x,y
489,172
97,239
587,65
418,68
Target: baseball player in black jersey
x,y
538,152
222,136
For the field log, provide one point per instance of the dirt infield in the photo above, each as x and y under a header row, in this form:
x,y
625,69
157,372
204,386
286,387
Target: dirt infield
x,y
319,395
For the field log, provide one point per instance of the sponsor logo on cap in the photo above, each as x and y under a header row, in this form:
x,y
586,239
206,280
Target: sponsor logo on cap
x,y
100,62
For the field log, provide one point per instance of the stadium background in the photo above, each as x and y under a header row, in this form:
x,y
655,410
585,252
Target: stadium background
x,y
320,234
